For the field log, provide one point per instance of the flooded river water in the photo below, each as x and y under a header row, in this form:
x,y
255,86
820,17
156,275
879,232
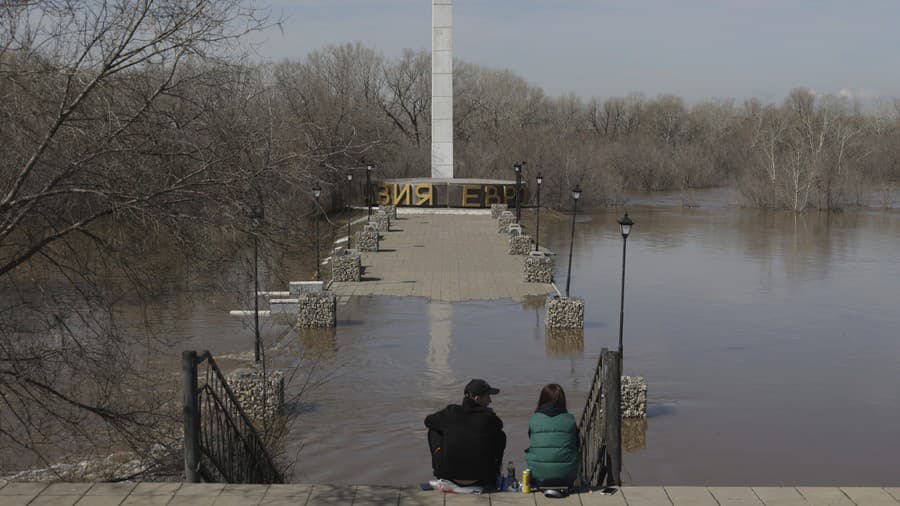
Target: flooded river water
x,y
769,342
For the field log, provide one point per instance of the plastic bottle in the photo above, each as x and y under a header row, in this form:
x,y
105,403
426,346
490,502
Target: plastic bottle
x,y
511,477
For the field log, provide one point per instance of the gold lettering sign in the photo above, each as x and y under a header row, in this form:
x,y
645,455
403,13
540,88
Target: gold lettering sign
x,y
402,195
425,195
490,195
470,192
461,195
509,194
382,194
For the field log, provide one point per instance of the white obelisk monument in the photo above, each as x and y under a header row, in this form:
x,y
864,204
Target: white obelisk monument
x,y
442,88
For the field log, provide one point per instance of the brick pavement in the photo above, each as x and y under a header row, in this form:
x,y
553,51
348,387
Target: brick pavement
x,y
217,494
443,257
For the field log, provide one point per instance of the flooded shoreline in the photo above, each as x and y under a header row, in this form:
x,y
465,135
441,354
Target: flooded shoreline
x,y
768,341
747,325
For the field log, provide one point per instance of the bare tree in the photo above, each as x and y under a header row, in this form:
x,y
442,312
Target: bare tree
x,y
104,105
407,95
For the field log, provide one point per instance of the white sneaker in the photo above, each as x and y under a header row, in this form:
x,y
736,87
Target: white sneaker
x,y
448,487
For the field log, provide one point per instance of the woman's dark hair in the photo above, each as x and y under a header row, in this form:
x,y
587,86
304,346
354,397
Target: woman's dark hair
x,y
554,394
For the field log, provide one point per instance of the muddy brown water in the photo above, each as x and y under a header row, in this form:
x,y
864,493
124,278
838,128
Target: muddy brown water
x,y
769,342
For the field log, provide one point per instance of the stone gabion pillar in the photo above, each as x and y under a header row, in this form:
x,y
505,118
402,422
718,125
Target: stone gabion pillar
x,y
565,312
317,310
367,240
389,210
261,398
505,220
538,268
382,221
347,266
634,397
496,209
519,245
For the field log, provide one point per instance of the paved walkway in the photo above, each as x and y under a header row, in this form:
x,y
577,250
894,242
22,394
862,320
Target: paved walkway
x,y
107,494
443,257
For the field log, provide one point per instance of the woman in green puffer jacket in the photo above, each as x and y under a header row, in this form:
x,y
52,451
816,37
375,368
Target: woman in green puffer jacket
x,y
552,454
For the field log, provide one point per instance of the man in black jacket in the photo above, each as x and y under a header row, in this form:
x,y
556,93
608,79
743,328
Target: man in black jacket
x,y
467,441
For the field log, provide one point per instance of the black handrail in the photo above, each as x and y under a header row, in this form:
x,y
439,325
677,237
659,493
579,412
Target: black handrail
x,y
590,430
599,428
221,443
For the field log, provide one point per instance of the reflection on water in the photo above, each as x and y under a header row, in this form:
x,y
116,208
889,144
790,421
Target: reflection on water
x,y
634,434
564,342
320,342
438,360
768,341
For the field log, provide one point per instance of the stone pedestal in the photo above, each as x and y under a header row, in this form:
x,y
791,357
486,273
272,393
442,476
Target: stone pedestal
x,y
389,210
519,245
538,268
565,312
317,310
634,397
382,221
346,266
367,240
496,209
506,218
260,397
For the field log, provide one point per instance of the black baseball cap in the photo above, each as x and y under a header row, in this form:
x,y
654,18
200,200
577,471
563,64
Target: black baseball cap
x,y
480,387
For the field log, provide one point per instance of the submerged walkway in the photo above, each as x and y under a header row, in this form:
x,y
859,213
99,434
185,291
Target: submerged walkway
x,y
443,257
103,494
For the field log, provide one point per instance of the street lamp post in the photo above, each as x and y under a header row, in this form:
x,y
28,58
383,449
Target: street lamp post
x,y
349,214
576,194
625,224
316,193
257,217
537,229
518,168
369,192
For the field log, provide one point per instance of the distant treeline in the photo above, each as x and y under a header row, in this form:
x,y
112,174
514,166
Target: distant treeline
x,y
350,106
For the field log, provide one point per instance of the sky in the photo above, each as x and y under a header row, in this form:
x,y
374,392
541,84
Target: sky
x,y
696,49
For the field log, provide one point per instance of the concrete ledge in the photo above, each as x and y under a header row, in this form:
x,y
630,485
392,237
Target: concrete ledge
x,y
407,211
298,287
311,495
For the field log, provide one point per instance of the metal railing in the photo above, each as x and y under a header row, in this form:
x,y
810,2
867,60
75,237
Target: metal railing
x,y
220,442
600,425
